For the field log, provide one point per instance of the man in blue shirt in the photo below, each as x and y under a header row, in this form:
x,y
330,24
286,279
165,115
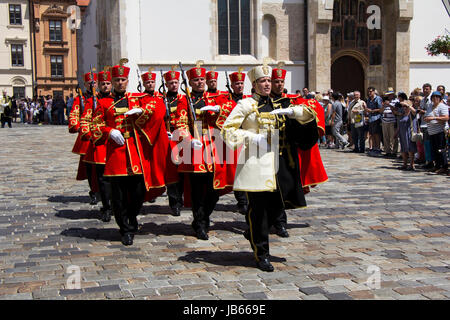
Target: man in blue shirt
x,y
374,105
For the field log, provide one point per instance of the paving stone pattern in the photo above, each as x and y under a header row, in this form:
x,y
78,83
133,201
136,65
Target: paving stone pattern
x,y
369,217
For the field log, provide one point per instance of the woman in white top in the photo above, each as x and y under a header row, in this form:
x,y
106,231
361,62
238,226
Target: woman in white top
x,y
436,118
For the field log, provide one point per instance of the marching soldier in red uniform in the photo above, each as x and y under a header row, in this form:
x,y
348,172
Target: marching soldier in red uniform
x,y
96,154
175,100
137,148
85,170
210,176
211,81
311,167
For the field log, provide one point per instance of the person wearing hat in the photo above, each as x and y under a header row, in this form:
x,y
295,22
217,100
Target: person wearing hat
x,y
312,170
436,117
80,104
96,154
264,131
211,81
132,124
210,177
149,81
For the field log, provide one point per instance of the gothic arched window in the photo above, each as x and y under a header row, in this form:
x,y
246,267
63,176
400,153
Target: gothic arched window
x,y
349,30
375,55
234,18
362,12
354,7
336,11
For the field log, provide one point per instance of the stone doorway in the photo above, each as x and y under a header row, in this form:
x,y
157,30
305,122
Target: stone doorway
x,y
347,75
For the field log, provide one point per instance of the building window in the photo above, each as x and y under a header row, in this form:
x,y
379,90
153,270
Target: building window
x,y
17,55
19,92
57,66
55,30
375,55
15,14
349,30
234,27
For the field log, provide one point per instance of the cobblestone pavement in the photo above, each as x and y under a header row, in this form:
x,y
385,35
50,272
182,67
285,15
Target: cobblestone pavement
x,y
368,217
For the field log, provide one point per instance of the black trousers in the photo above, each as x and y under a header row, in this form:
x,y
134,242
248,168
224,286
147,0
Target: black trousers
x,y
204,199
89,168
128,194
104,185
281,220
438,149
5,120
264,210
175,193
241,198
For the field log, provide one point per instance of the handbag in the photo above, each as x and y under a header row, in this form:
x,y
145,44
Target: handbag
x,y
415,136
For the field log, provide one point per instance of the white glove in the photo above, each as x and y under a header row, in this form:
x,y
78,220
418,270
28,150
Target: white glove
x,y
211,108
260,140
283,112
196,144
169,135
134,111
117,137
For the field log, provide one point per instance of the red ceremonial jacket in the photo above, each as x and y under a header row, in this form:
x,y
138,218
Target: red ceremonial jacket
x,y
146,143
80,147
95,154
312,170
213,156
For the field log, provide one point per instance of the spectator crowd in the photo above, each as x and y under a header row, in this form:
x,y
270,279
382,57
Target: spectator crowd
x,y
43,110
414,128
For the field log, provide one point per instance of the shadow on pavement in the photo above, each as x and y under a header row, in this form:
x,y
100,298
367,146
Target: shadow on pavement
x,y
67,199
79,214
166,229
93,233
225,258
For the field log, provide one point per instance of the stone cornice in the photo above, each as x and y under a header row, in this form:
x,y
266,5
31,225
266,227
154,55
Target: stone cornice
x,y
16,40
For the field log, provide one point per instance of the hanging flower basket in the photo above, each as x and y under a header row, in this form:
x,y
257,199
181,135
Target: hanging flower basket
x,y
440,45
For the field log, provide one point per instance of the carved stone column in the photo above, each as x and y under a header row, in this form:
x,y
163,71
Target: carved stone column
x,y
320,16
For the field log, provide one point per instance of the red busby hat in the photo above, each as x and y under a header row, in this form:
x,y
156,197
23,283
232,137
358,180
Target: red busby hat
x,y
279,73
149,75
88,77
212,74
197,72
172,75
237,76
105,75
120,71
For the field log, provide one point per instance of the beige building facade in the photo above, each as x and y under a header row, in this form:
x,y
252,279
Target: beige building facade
x,y
15,49
54,48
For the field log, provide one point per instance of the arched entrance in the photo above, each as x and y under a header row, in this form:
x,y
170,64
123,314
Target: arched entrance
x,y
347,75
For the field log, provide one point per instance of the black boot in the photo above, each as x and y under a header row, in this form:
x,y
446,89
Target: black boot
x,y
93,197
265,265
201,234
282,232
176,212
127,239
106,214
